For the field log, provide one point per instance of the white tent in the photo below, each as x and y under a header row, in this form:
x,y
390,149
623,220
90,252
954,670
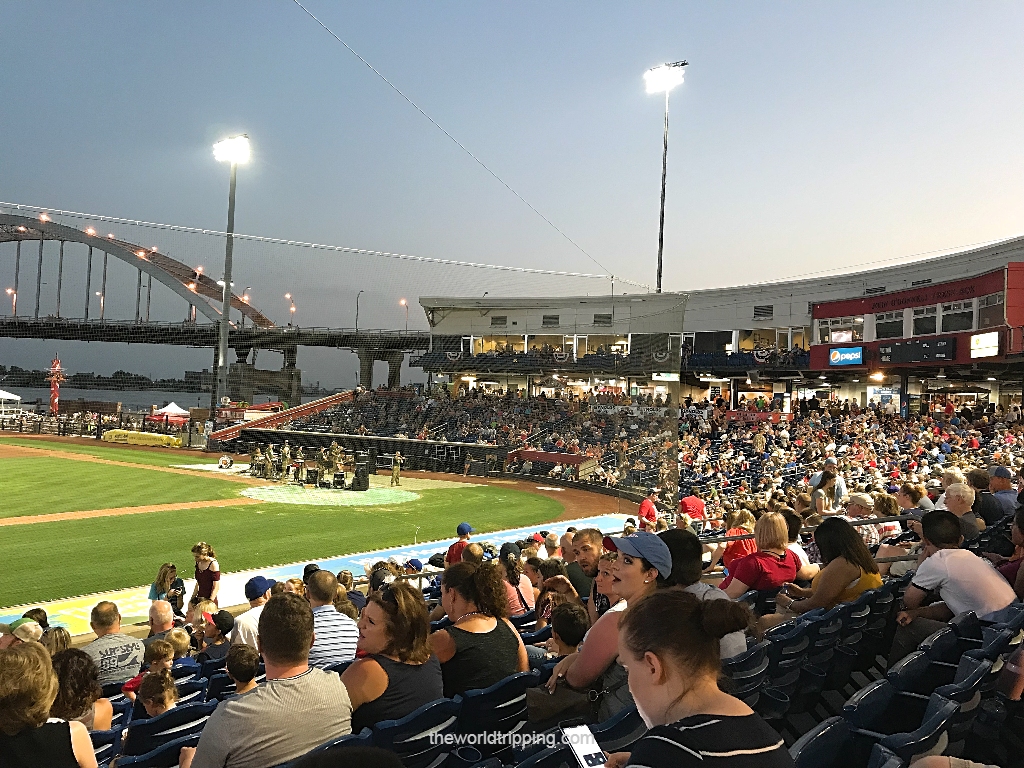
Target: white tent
x,y
173,409
4,397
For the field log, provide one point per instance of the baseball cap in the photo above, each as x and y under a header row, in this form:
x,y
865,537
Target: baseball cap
x,y
257,586
646,545
223,620
832,460
379,578
651,491
464,528
308,571
25,630
1002,472
862,499
537,537
415,564
509,549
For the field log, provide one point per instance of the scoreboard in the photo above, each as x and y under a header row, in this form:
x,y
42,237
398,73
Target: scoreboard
x,y
939,349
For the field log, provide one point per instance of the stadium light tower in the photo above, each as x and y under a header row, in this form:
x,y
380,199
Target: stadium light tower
x,y
405,304
14,301
234,150
662,80
357,309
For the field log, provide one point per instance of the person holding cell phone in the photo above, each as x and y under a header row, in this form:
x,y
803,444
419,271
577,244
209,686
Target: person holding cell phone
x,y
669,644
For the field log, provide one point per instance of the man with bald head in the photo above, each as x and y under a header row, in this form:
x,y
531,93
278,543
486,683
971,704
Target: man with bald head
x,y
161,621
568,556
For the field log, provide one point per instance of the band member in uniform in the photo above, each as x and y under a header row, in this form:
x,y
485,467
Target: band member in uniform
x,y
396,469
271,462
300,465
286,461
256,463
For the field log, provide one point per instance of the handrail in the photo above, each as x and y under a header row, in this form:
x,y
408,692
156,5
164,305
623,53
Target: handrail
x,y
810,529
289,414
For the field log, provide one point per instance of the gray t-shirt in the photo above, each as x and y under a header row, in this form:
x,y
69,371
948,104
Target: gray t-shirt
x,y
735,642
118,657
277,721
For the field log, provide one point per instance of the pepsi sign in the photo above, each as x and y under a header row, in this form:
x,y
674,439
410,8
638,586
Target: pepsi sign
x,y
846,356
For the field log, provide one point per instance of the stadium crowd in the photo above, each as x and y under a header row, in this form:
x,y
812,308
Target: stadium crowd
x,y
780,525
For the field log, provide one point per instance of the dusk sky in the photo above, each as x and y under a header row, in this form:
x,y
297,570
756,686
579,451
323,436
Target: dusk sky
x,y
807,137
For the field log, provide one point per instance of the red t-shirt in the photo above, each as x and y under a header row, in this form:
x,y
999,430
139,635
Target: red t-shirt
x,y
692,506
764,570
455,551
648,511
734,550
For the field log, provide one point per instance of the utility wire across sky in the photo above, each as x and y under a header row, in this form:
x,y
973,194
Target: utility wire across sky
x,y
461,146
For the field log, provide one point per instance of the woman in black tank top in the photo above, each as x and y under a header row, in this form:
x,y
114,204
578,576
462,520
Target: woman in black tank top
x,y
400,674
28,686
481,647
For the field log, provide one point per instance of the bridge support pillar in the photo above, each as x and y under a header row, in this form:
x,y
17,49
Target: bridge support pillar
x,y
366,359
395,360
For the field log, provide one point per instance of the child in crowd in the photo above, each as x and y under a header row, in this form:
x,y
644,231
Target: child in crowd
x,y
243,664
569,623
159,657
182,644
158,692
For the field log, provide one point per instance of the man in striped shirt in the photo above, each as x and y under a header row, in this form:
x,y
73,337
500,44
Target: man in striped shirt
x,y
334,634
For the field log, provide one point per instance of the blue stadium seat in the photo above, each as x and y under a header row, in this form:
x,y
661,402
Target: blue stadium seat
x,y
537,636
185,672
220,687
340,667
122,712
501,708
164,756
525,622
410,737
884,758
923,739
211,667
823,746
146,735
362,739
620,731
106,744
112,691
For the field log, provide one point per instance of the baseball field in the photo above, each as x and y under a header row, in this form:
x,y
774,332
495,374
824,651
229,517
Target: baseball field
x,y
79,516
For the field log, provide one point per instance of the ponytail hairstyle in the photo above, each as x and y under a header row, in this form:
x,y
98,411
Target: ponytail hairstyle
x,y
407,622
159,688
683,631
482,584
204,550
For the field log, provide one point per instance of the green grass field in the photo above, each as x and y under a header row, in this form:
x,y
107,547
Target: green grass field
x,y
112,452
37,486
47,561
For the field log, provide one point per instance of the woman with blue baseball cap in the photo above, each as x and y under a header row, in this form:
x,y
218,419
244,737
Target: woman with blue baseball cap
x,y
643,564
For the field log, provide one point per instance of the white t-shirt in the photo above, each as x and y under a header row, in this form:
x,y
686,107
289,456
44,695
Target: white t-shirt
x,y
965,582
247,627
797,549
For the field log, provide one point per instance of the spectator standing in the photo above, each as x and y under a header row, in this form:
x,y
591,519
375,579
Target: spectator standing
x,y
648,512
79,696
168,586
298,707
334,634
961,579
398,672
670,644
117,656
454,554
481,646
257,592
28,739
207,573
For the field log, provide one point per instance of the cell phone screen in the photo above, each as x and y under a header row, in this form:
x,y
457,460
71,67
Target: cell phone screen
x,y
584,746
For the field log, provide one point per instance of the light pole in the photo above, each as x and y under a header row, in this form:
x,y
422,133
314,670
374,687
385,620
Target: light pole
x,y
405,304
291,309
234,150
14,301
100,294
357,310
658,80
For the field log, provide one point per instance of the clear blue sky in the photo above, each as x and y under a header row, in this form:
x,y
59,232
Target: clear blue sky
x,y
807,136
